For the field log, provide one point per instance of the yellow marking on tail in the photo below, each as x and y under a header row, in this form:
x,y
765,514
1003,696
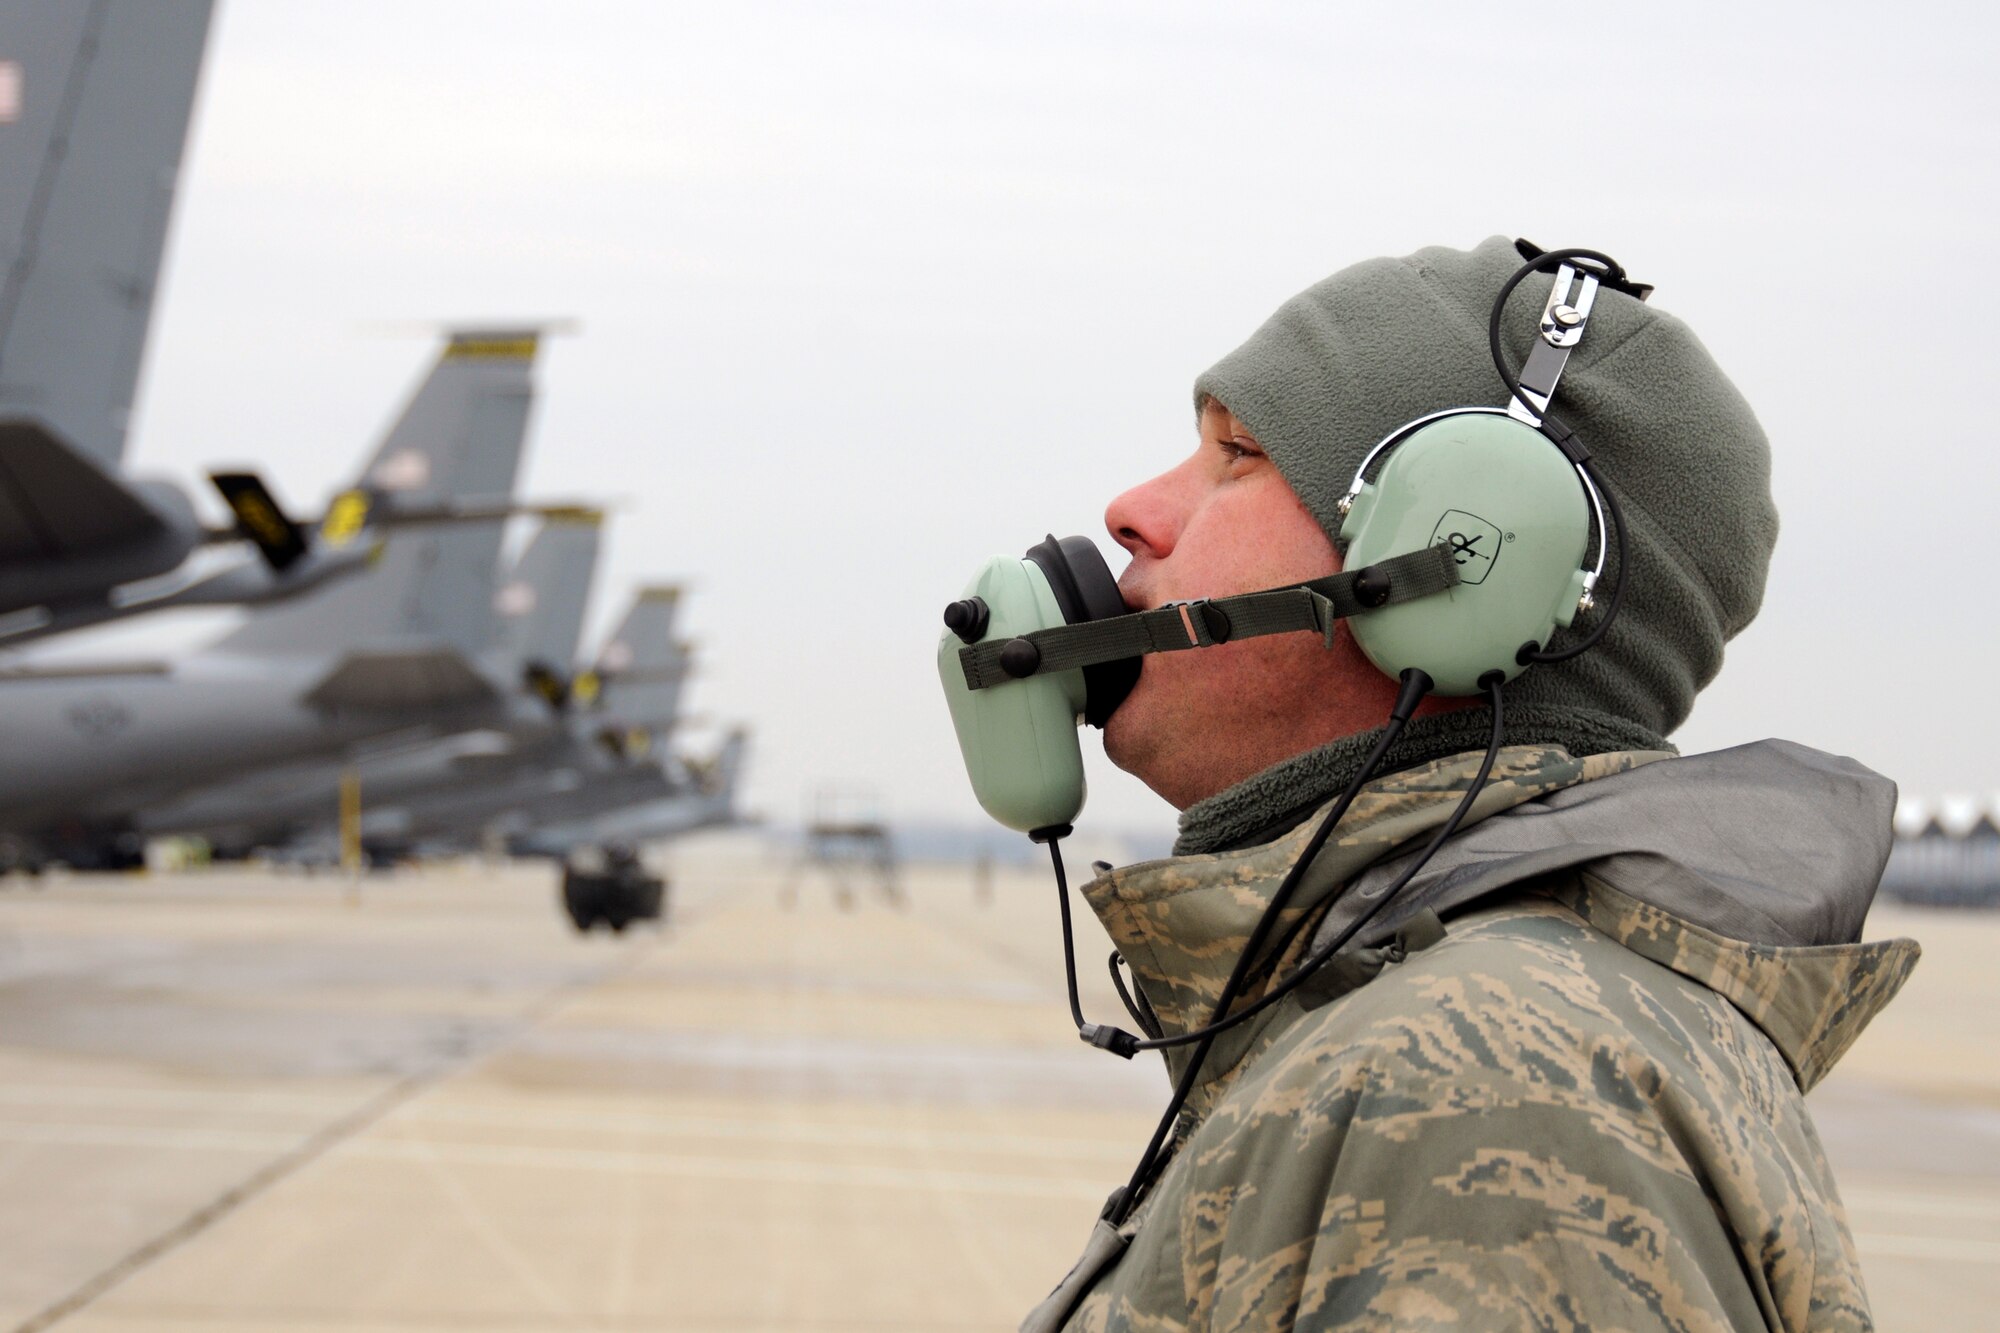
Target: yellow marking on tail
x,y
345,517
515,349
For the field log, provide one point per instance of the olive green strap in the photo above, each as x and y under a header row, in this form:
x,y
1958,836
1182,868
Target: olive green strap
x,y
1316,606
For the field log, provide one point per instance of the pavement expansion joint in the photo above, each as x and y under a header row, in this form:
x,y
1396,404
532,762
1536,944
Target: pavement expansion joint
x,y
451,1058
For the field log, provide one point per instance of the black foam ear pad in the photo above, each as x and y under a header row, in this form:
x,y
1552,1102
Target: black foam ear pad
x,y
1085,590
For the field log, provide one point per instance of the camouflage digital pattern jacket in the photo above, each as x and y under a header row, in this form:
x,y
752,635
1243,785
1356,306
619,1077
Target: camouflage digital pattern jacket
x,y
1582,1108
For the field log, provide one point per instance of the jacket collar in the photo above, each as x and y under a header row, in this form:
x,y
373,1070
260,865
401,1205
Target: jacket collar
x,y
1747,870
1180,923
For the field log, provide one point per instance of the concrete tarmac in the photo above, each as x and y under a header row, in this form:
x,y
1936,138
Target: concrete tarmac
x,y
245,1100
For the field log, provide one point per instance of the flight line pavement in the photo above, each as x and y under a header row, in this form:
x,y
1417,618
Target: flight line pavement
x,y
247,1100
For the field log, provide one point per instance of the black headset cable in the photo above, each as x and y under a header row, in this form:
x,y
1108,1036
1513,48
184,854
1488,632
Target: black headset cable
x,y
1141,1012
1415,685
1128,1197
1318,957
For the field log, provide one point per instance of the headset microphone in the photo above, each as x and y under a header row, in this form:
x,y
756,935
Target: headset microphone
x,y
1040,643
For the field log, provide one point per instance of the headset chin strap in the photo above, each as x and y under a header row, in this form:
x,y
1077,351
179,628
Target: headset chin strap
x,y
1314,605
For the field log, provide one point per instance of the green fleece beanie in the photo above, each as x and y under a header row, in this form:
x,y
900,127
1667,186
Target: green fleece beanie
x,y
1384,342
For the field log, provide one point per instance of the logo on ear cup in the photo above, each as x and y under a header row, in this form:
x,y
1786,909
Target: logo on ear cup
x,y
1474,543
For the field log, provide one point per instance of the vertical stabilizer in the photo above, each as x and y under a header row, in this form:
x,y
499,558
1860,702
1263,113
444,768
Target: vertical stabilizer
x,y
541,604
94,103
642,666
725,770
644,639
459,438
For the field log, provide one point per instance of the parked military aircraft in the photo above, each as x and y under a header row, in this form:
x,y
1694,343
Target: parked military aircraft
x,y
584,793
400,649
609,757
539,611
94,106
612,752
577,770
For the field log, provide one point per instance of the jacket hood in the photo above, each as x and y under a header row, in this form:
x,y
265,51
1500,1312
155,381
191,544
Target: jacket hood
x,y
1748,870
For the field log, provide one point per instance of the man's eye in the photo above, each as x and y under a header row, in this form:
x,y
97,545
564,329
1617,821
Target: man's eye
x,y
1235,452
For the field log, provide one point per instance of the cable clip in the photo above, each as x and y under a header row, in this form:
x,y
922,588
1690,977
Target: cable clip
x,y
1107,1038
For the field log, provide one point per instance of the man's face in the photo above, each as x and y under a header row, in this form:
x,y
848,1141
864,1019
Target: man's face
x,y
1225,521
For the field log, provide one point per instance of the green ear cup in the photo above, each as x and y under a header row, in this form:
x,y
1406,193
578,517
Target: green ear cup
x,y
1514,512
1019,739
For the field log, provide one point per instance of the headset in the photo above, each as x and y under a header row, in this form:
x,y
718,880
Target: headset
x,y
1470,537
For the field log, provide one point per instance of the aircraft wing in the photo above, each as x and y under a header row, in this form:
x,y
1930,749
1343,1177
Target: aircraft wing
x,y
414,678
57,502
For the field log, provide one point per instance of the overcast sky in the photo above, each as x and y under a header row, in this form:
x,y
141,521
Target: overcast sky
x,y
869,292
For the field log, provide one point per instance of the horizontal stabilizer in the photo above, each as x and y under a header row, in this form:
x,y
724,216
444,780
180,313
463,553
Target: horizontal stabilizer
x,y
356,511
58,502
411,680
259,519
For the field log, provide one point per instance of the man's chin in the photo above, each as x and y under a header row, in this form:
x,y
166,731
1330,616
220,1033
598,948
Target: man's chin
x,y
1126,733
1135,738
1117,737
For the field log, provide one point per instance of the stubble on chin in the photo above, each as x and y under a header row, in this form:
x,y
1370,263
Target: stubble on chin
x,y
1157,743
1133,736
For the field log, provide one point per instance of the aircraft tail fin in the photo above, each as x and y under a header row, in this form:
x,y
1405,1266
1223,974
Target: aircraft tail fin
x,y
542,603
644,639
460,436
725,770
94,107
642,667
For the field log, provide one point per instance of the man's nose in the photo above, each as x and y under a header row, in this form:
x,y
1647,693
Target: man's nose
x,y
1146,520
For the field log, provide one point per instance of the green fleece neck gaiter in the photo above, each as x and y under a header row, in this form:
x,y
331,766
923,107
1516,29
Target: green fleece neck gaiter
x,y
1272,802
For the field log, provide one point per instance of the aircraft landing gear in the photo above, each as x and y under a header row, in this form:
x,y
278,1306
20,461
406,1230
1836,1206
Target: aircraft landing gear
x,y
611,888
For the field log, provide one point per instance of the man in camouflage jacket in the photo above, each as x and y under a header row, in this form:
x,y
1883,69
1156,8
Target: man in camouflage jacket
x,y
1557,1082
